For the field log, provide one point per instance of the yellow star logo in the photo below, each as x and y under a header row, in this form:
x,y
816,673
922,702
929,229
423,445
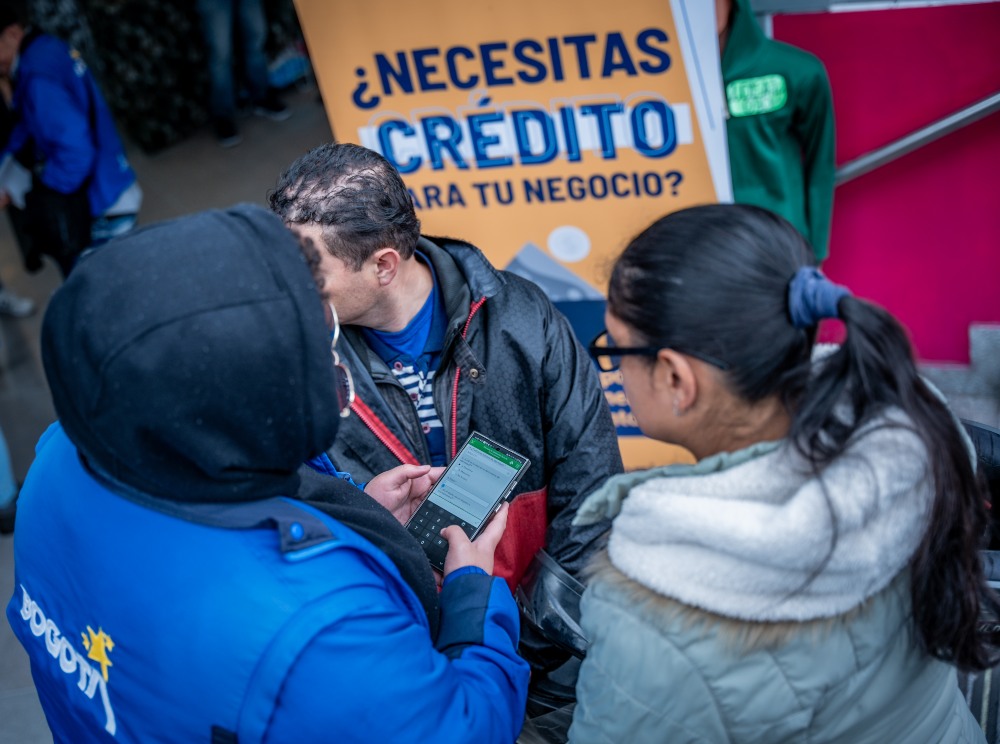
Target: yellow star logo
x,y
98,646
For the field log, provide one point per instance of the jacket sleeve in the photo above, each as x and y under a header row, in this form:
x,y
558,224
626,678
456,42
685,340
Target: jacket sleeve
x,y
374,674
581,445
814,128
62,134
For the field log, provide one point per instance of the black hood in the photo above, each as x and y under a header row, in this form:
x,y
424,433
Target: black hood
x,y
190,359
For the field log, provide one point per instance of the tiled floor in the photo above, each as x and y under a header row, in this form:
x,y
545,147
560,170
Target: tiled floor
x,y
196,174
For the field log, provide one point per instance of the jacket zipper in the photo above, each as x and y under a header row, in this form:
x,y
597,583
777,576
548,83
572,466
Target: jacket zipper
x,y
458,372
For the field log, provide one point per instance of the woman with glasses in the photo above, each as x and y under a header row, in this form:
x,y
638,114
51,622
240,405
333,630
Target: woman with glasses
x,y
814,576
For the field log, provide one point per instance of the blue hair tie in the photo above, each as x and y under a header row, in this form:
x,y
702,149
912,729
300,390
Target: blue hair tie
x,y
812,297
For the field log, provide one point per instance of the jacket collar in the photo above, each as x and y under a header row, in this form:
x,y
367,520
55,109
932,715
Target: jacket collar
x,y
464,275
297,527
606,502
759,535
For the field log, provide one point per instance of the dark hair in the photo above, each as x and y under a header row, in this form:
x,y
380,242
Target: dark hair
x,y
13,12
714,279
355,195
310,253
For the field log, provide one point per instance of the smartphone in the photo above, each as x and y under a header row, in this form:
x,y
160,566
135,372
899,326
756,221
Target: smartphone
x,y
471,489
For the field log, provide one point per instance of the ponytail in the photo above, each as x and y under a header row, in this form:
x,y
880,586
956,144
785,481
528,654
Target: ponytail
x,y
874,370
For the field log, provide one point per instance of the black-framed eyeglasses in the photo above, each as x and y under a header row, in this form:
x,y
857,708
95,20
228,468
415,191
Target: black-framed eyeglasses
x,y
609,356
345,383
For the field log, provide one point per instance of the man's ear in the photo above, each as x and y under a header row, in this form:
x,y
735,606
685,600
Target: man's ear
x,y
386,261
676,377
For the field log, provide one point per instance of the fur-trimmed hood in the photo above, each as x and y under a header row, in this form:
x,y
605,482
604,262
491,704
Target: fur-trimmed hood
x,y
756,535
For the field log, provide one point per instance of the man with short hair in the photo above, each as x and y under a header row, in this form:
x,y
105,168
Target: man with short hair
x,y
442,344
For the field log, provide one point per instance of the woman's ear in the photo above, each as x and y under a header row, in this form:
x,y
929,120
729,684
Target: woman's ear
x,y
675,376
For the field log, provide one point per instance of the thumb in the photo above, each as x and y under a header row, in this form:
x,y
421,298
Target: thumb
x,y
494,530
453,533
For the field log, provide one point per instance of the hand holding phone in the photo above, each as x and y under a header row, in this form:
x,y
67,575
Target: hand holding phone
x,y
402,489
464,552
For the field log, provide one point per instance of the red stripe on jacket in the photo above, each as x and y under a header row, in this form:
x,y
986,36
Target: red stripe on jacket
x,y
382,432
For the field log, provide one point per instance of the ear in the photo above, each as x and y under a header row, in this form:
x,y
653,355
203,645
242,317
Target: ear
x,y
386,261
678,379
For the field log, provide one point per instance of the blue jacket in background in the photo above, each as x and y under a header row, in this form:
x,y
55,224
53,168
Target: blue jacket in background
x,y
53,96
316,625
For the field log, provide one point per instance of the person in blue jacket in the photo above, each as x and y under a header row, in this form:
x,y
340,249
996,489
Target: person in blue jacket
x,y
67,136
179,575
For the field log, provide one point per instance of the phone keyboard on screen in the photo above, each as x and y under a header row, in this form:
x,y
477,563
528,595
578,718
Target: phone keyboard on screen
x,y
426,526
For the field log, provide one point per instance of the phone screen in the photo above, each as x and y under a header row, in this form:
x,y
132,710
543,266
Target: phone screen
x,y
476,481
469,491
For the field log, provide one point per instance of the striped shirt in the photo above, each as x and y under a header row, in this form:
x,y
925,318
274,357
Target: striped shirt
x,y
419,386
413,355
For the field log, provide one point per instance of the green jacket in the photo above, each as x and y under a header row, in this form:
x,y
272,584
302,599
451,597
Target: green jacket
x,y
780,127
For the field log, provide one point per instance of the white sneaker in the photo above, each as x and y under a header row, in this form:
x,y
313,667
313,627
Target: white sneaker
x,y
15,305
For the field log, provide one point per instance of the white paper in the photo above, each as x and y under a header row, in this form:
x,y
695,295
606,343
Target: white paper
x,y
15,179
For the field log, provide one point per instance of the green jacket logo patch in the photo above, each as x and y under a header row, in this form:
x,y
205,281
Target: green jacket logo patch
x,y
759,95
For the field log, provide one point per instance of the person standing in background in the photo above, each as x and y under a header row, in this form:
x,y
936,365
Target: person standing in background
x,y
83,190
780,125
8,489
217,20
10,303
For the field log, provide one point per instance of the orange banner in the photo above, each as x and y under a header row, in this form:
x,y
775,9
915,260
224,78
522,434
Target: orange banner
x,y
547,134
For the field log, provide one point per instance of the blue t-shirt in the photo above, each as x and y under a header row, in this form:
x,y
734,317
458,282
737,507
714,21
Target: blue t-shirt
x,y
413,355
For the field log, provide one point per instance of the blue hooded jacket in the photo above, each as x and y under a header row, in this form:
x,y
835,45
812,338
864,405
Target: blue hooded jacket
x,y
170,585
62,111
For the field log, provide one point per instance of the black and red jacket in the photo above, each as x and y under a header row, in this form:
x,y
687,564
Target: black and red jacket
x,y
512,369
